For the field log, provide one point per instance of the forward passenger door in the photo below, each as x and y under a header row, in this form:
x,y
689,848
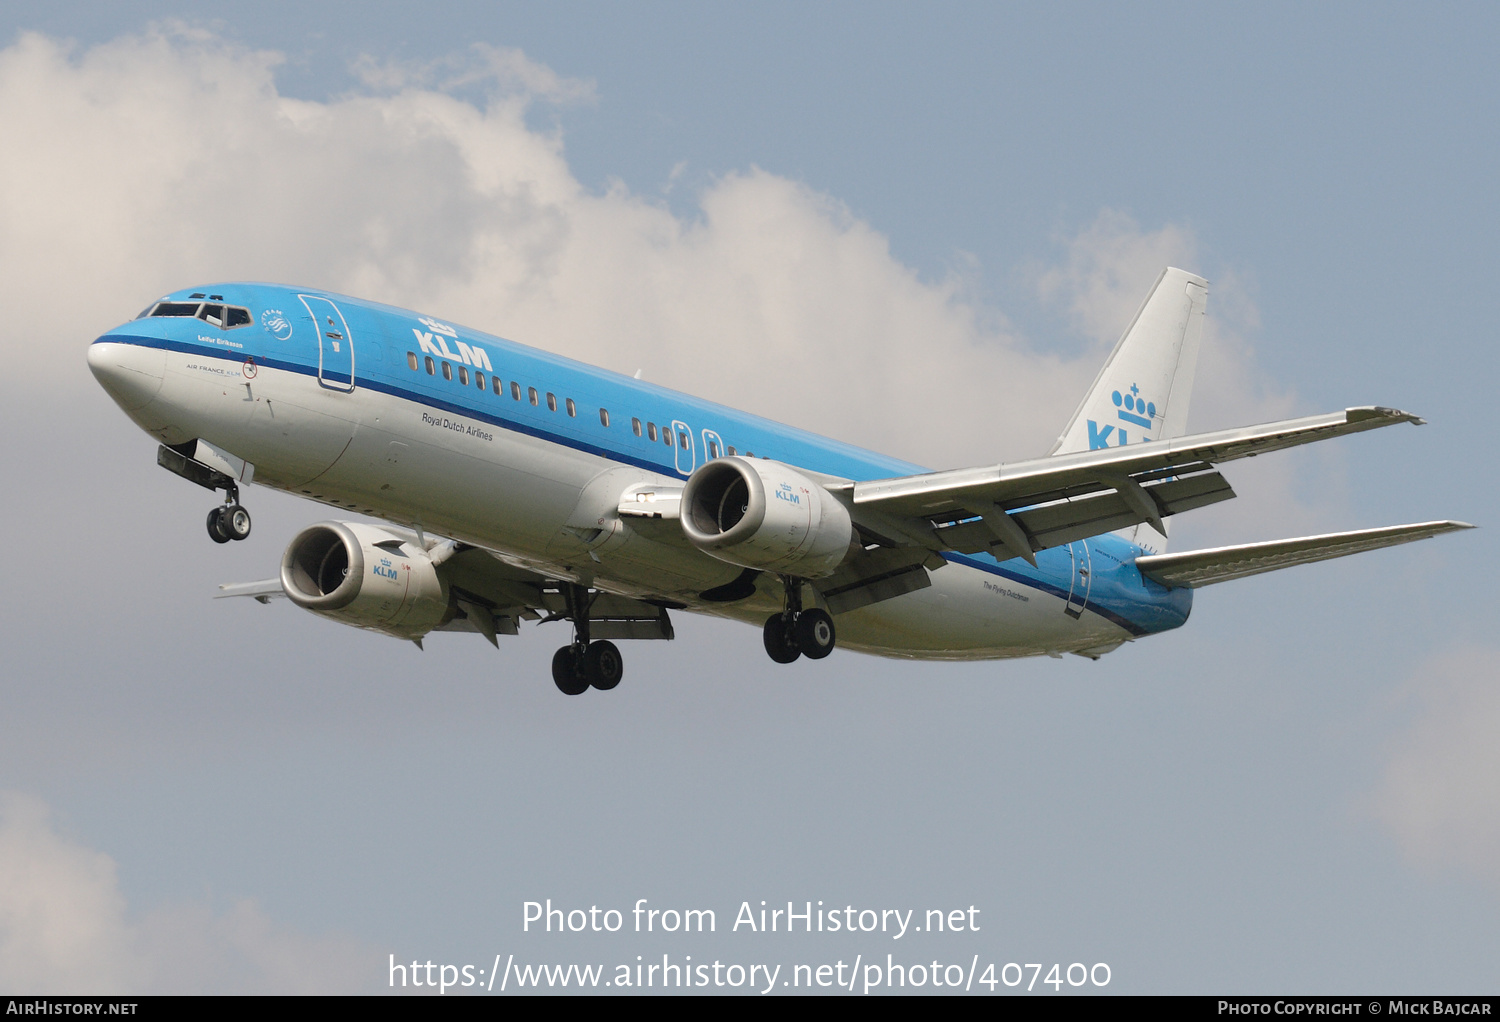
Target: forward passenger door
x,y
335,345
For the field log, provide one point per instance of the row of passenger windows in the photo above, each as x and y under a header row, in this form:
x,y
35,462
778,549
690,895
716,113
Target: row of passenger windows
x,y
666,434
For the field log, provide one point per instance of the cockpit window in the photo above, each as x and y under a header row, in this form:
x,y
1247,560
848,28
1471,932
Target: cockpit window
x,y
176,309
225,317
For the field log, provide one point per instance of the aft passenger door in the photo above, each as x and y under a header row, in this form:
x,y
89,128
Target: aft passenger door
x,y
335,345
687,455
1081,578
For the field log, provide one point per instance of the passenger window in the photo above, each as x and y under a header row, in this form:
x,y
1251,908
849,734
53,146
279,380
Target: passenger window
x,y
651,431
572,409
447,371
685,440
531,393
731,451
604,416
666,435
551,402
238,317
463,375
431,366
411,360
496,381
635,426
515,391
479,379
713,448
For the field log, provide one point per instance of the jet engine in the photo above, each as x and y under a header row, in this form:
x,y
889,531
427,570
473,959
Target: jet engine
x,y
763,514
365,576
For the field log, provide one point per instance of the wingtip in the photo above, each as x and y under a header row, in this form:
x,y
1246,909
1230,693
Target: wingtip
x,y
1382,412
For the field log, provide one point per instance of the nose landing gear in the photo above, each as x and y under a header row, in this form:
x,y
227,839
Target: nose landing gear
x,y
229,520
796,632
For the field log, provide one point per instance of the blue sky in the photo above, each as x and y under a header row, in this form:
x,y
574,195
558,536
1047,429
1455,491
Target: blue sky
x,y
1298,791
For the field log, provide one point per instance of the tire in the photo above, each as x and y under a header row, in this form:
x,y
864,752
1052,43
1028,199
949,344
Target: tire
x,y
566,674
781,646
603,665
216,529
815,634
236,522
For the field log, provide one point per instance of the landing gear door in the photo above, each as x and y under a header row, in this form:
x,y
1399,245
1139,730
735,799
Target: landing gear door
x,y
687,456
335,345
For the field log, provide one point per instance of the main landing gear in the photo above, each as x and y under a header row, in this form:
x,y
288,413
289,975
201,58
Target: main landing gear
x,y
583,665
229,520
796,632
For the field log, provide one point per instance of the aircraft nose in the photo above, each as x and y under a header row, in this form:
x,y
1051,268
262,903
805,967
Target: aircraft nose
x,y
129,373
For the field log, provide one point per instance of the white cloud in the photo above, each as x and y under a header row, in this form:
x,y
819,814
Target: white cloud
x,y
1440,796
154,162
158,161
64,929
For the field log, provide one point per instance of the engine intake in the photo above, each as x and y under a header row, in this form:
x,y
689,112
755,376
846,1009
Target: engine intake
x,y
763,514
365,576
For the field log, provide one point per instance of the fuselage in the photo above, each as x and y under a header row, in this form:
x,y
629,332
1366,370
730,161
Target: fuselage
x,y
423,423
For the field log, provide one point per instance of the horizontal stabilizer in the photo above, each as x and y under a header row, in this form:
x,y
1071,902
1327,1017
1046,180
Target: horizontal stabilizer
x,y
1196,568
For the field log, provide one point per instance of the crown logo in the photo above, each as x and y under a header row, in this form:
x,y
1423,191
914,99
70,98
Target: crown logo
x,y
448,331
1135,409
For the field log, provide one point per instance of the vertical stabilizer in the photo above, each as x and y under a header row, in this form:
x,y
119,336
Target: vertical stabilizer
x,y
1142,393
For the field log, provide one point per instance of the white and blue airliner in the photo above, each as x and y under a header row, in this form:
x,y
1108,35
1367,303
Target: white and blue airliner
x,y
515,485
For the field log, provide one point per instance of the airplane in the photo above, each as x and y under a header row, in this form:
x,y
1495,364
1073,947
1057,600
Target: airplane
x,y
511,484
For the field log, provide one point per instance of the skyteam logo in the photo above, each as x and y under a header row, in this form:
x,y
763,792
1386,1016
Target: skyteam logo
x,y
437,346
1130,408
276,323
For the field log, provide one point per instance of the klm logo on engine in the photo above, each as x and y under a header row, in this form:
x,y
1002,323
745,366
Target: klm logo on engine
x,y
1131,409
385,569
784,492
434,342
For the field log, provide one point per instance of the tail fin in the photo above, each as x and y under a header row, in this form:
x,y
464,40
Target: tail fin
x,y
1142,393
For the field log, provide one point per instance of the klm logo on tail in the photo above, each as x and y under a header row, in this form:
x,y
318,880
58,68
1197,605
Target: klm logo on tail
x,y
1130,408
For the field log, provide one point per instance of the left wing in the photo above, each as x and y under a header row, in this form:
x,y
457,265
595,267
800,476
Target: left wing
x,y
1026,506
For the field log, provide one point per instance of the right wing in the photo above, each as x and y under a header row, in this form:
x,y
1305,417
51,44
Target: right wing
x,y
1196,568
1018,508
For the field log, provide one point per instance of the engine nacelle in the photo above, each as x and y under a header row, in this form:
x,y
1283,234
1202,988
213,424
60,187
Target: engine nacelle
x,y
364,576
763,514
